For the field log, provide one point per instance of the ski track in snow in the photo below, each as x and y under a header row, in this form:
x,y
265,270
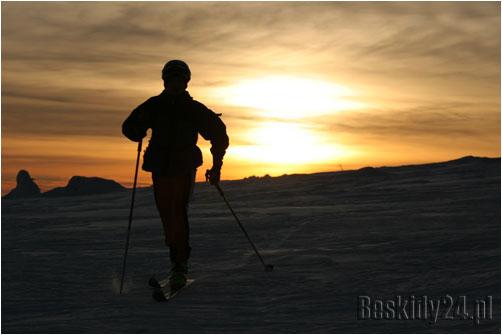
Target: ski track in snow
x,y
413,230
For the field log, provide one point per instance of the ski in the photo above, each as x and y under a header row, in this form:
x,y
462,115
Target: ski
x,y
162,293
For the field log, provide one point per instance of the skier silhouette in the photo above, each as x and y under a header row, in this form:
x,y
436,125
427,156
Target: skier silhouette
x,y
172,156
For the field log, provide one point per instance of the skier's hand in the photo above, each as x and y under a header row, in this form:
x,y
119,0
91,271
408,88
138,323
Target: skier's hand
x,y
132,131
213,175
137,135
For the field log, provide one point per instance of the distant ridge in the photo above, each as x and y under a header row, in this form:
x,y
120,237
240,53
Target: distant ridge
x,y
25,187
383,170
79,185
461,160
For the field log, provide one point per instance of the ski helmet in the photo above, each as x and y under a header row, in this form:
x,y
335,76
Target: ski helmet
x,y
178,67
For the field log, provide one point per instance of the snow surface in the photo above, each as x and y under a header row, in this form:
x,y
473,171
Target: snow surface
x,y
413,230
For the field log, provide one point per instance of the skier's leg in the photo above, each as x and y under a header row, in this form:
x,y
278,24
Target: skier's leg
x,y
180,227
163,194
186,206
171,195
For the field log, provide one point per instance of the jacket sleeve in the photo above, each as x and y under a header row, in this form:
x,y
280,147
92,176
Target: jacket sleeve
x,y
137,123
212,128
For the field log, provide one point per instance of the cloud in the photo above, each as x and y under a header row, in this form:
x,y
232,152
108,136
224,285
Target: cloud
x,y
79,68
457,122
202,29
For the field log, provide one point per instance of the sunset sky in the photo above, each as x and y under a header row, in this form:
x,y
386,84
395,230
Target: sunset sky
x,y
303,87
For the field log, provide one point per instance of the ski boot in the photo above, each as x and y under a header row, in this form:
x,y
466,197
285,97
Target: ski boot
x,y
178,276
179,268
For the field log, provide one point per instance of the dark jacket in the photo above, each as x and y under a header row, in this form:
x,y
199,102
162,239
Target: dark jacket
x,y
176,122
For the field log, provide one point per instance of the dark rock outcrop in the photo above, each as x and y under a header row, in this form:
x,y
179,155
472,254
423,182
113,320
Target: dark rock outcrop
x,y
25,187
79,185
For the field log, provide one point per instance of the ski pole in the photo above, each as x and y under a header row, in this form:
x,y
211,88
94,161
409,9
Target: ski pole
x,y
130,217
267,267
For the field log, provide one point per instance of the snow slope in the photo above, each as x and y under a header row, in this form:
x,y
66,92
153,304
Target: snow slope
x,y
412,230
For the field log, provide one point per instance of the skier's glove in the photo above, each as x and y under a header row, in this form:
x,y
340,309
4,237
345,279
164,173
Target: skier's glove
x,y
137,135
213,175
133,133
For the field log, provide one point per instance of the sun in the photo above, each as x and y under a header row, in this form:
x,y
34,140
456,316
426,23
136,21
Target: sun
x,y
287,143
288,126
288,97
